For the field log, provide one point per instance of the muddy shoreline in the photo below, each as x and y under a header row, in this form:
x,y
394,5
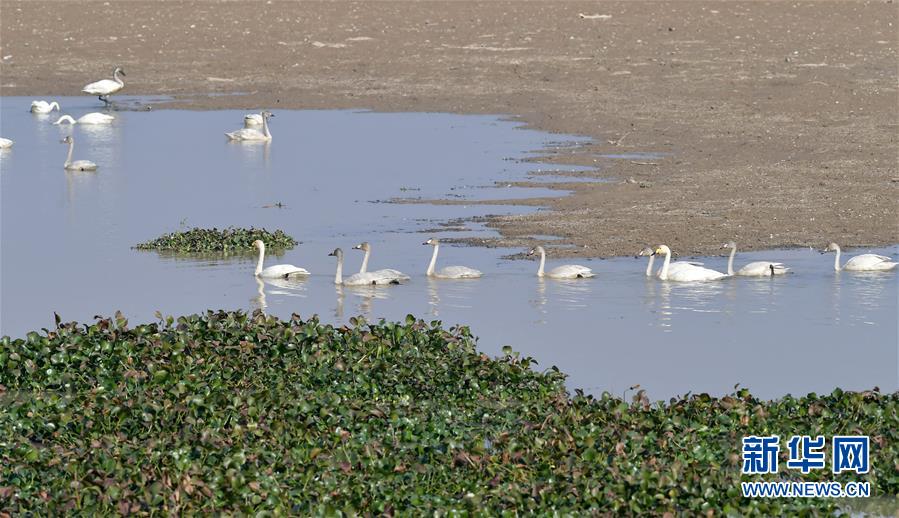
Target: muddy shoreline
x,y
779,120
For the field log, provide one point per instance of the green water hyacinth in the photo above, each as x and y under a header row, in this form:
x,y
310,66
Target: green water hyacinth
x,y
236,413
215,240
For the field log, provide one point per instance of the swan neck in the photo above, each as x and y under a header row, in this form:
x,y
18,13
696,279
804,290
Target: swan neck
x,y
652,259
69,156
260,260
836,260
664,274
542,263
54,106
433,262
65,118
730,261
265,126
338,278
115,76
364,267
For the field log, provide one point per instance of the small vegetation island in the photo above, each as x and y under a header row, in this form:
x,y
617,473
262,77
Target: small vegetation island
x,y
230,239
236,413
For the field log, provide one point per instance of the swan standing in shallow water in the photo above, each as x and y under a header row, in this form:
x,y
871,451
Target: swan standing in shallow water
x,y
77,165
253,133
44,106
567,271
387,273
106,87
861,263
362,278
282,271
90,118
449,272
686,273
755,268
252,119
5,143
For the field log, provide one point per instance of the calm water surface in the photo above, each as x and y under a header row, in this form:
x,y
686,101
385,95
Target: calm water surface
x,y
66,241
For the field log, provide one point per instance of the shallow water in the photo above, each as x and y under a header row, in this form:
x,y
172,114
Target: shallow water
x,y
66,247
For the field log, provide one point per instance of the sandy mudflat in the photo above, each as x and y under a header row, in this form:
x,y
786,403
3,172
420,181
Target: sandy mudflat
x,y
781,118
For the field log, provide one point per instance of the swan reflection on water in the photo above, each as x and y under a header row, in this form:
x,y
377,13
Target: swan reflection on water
x,y
564,294
251,151
697,297
456,294
293,287
366,294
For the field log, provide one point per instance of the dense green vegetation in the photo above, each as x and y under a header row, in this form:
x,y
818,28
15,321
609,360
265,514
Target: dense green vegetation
x,y
215,240
238,413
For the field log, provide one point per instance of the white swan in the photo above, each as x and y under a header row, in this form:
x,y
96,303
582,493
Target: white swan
x,y
861,263
106,87
359,279
282,271
387,274
647,251
77,165
253,133
449,272
5,143
252,119
755,268
686,273
90,118
567,271
43,106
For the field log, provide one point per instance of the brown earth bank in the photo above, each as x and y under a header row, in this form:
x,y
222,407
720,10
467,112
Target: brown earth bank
x,y
779,119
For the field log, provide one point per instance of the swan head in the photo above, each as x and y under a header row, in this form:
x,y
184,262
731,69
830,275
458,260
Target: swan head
x,y
433,242
363,246
832,247
729,244
267,114
258,244
536,250
119,70
336,253
67,140
645,252
662,250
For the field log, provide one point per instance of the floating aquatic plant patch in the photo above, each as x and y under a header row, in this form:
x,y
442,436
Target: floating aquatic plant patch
x,y
232,413
215,240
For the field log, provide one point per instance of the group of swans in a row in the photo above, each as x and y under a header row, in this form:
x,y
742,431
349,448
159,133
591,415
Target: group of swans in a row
x,y
685,271
364,277
681,271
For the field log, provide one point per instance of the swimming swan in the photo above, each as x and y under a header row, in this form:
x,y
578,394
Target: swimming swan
x,y
90,118
43,106
106,87
77,165
252,119
647,251
281,271
5,143
861,263
449,272
686,273
387,273
568,271
358,279
253,133
753,269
